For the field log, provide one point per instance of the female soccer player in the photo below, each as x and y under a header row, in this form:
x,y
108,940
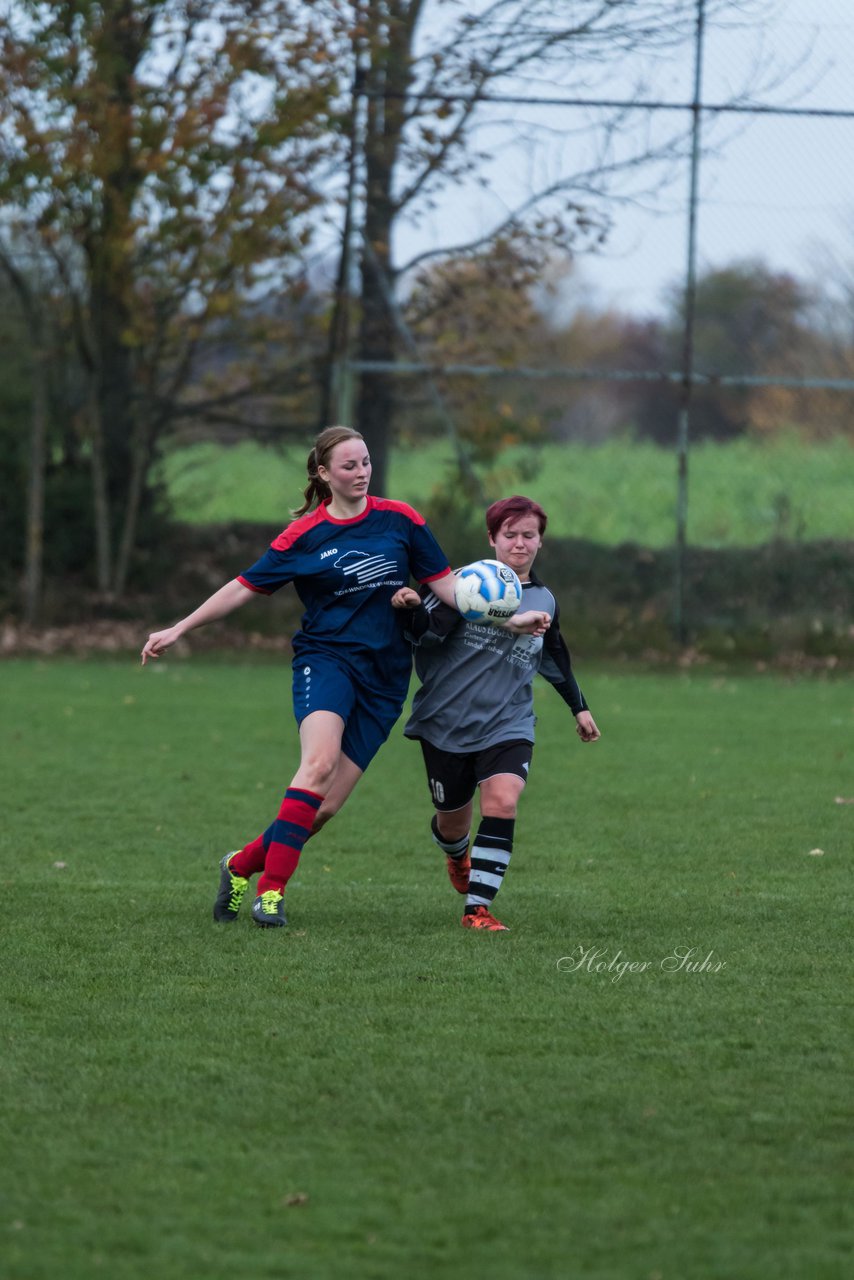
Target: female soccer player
x,y
474,711
346,553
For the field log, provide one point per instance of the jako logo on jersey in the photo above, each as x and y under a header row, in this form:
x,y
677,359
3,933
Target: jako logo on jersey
x,y
333,551
366,568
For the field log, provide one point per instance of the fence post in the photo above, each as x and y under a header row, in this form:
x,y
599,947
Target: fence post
x,y
680,625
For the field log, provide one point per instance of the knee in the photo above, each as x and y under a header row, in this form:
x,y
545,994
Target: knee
x,y
501,811
500,805
318,770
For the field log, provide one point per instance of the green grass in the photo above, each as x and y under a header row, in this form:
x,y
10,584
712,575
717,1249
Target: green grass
x,y
741,494
376,1093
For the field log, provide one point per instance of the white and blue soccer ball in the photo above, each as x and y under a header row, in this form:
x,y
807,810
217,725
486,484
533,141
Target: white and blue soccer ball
x,y
487,591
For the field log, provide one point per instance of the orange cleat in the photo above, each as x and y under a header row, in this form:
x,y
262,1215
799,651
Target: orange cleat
x,y
480,918
459,870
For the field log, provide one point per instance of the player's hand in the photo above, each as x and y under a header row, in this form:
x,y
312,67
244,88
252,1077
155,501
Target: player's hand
x,y
533,622
405,598
585,727
158,642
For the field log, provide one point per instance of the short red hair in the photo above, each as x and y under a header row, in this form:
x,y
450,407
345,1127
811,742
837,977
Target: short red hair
x,y
510,509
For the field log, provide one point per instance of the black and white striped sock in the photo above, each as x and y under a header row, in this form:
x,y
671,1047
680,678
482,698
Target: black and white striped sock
x,y
453,848
490,857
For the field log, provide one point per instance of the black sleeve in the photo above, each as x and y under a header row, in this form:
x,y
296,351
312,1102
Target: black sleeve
x,y
556,667
432,621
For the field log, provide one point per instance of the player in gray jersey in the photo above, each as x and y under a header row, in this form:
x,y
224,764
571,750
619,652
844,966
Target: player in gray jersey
x,y
474,711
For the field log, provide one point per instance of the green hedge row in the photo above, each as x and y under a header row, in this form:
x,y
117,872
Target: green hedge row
x,y
755,602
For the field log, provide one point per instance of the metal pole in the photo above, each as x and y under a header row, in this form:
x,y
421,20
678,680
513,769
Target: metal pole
x,y
684,418
417,368
337,400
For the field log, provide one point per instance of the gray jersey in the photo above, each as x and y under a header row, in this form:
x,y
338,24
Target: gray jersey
x,y
477,680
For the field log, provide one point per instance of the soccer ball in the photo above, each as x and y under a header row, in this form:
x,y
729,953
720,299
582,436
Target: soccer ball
x,y
487,591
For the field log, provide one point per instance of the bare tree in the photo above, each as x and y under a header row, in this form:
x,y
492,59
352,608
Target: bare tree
x,y
32,295
430,73
165,155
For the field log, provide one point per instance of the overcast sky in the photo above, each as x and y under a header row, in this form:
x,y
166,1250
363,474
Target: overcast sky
x,y
772,187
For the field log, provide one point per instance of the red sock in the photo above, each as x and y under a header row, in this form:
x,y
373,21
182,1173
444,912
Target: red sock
x,y
290,832
250,858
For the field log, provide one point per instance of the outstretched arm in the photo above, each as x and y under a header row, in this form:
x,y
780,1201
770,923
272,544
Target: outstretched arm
x,y
443,588
532,622
219,605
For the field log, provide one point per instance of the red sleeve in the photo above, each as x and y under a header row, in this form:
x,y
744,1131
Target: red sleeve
x,y
296,529
244,582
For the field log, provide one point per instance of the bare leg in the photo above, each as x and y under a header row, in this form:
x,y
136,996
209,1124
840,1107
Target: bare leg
x,y
492,848
320,743
346,776
499,795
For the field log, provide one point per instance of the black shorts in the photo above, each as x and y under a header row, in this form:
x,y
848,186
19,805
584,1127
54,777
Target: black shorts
x,y
453,779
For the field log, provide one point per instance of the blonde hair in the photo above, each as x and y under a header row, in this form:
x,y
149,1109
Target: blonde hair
x,y
317,490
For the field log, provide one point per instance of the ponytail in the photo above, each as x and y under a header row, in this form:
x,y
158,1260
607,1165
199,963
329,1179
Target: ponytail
x,y
315,491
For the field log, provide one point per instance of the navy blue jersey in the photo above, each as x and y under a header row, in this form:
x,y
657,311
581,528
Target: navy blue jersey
x,y
345,573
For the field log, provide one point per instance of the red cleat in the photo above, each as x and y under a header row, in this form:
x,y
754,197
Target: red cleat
x,y
459,870
480,918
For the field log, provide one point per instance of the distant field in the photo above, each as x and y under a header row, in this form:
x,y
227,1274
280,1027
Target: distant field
x,y
741,494
375,1093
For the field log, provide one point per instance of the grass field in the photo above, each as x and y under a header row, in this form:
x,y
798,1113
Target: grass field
x,y
375,1093
741,494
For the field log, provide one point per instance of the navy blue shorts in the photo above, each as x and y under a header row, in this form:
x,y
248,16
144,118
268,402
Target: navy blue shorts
x,y
321,684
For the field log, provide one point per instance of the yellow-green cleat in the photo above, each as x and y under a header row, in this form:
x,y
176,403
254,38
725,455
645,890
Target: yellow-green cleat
x,y
268,910
232,889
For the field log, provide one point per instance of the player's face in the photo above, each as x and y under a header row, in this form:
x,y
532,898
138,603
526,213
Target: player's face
x,y
517,542
349,471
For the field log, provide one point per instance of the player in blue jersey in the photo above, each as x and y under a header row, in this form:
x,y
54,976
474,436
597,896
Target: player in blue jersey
x,y
346,553
474,712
